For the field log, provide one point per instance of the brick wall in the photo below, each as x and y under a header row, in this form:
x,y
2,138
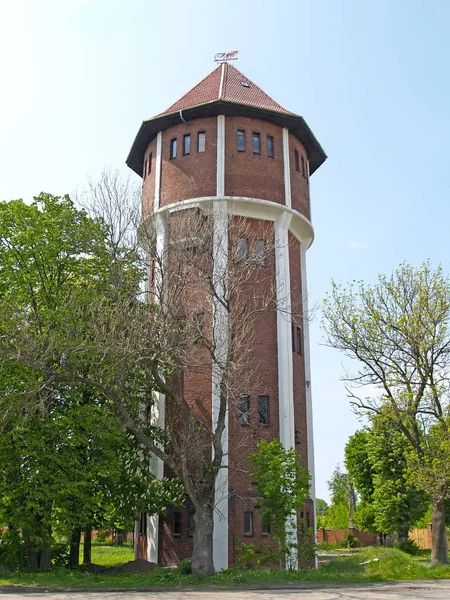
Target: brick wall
x,y
299,183
337,536
193,175
253,175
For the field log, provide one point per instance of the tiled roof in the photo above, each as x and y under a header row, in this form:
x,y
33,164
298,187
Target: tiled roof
x,y
226,83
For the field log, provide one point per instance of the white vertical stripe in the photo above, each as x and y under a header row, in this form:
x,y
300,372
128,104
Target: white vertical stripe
x,y
220,184
158,165
220,333
308,391
287,170
158,409
284,348
222,76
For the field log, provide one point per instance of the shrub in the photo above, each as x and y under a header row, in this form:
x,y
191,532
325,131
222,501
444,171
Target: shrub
x,y
60,553
350,540
185,566
12,550
409,547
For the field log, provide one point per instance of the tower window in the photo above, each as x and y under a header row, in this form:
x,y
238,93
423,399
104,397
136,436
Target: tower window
x,y
244,410
248,523
299,340
297,161
201,141
263,410
256,143
241,140
303,168
176,523
293,333
259,253
145,169
187,144
270,146
150,157
173,148
242,250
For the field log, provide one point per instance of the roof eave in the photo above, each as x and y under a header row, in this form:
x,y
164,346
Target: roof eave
x,y
295,123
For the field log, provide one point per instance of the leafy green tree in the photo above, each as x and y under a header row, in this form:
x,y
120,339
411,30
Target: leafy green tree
x,y
283,487
360,471
398,331
377,462
321,511
338,514
65,459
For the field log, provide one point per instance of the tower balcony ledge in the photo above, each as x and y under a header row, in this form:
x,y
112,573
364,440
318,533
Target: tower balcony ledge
x,y
253,208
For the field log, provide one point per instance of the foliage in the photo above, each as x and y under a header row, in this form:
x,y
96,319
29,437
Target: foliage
x,y
283,487
350,540
398,331
377,463
185,566
408,546
66,460
337,515
321,510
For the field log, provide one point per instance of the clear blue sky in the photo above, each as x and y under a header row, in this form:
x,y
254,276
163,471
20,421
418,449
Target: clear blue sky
x,y
371,79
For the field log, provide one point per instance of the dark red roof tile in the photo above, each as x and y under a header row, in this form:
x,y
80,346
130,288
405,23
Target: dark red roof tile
x,y
226,83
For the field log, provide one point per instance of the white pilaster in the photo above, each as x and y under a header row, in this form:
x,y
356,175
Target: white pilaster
x,y
287,170
158,165
220,334
308,391
158,409
220,190
284,349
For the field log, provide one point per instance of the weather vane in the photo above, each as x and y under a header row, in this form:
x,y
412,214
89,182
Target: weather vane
x,y
226,56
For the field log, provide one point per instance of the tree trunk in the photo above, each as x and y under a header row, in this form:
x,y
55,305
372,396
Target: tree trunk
x,y
74,558
439,550
202,544
87,546
403,534
38,557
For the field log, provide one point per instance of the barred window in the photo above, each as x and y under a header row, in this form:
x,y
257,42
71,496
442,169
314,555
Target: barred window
x,y
244,410
263,410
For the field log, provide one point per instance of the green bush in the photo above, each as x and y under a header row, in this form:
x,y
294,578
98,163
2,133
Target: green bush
x,y
409,547
60,553
12,550
350,540
185,566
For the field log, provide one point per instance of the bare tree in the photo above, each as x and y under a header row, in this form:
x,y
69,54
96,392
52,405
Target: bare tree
x,y
140,346
398,331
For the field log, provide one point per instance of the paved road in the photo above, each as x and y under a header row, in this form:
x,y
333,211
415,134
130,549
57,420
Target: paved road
x,y
425,590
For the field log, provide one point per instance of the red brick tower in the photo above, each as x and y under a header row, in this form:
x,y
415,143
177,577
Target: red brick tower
x,y
226,143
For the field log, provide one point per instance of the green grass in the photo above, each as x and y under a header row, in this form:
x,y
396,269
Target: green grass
x,y
110,556
392,565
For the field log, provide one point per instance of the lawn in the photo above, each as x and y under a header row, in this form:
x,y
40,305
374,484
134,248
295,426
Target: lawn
x,y
110,556
391,565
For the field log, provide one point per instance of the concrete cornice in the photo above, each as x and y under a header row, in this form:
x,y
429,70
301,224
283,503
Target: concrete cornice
x,y
253,208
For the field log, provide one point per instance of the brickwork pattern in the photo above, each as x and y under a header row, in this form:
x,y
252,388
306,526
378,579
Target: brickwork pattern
x,y
193,175
253,175
299,183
